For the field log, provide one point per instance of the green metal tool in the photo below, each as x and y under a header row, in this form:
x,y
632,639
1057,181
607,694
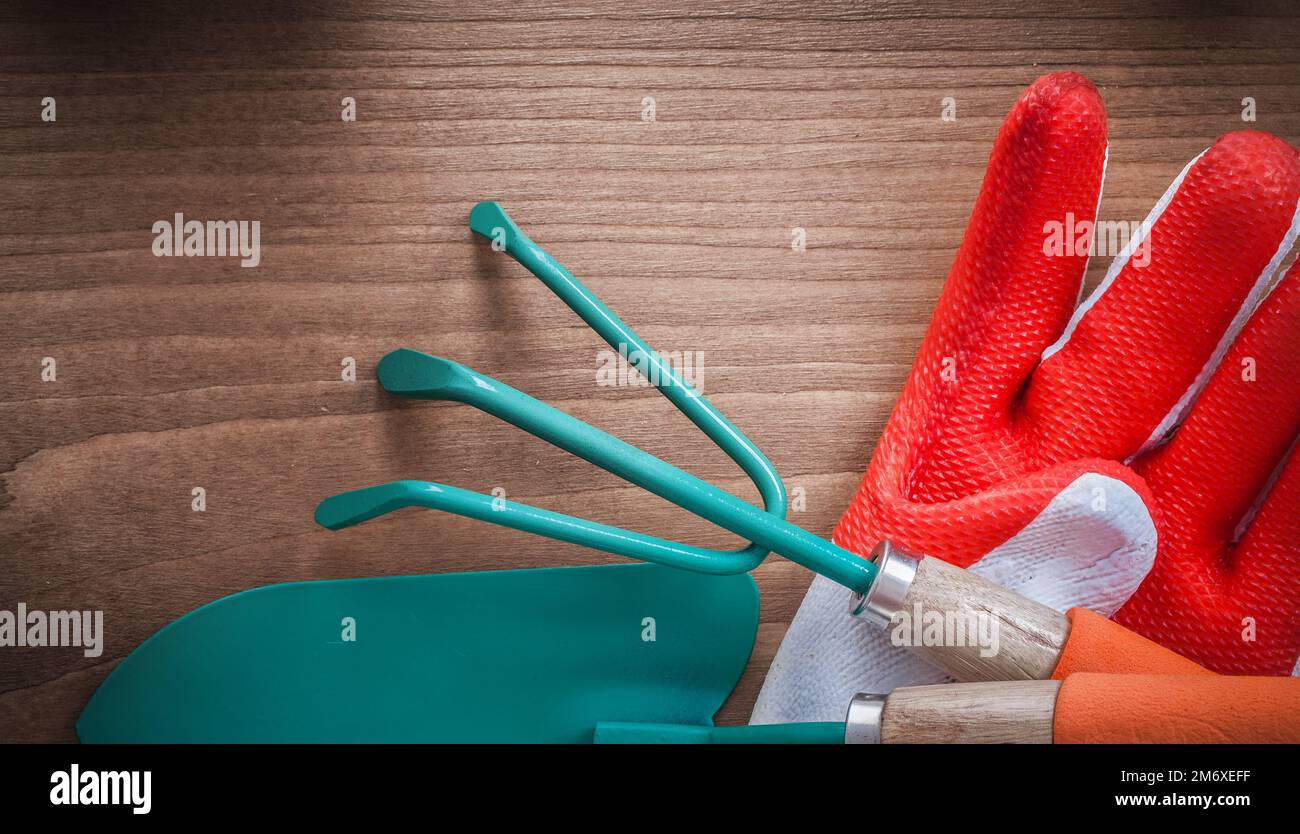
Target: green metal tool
x,y
498,656
812,732
536,655
410,373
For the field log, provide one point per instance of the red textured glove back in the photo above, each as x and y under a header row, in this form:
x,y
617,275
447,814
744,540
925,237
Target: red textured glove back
x,y
1209,592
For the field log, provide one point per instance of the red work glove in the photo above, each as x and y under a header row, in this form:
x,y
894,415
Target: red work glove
x,y
1031,430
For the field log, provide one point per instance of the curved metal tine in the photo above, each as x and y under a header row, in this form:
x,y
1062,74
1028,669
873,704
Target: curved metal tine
x,y
489,220
348,508
414,374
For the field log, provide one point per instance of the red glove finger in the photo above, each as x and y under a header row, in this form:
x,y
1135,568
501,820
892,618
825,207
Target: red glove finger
x,y
1005,299
941,481
1266,564
1207,480
1134,355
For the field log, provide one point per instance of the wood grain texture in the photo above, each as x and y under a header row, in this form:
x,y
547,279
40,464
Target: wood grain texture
x,y
998,712
183,372
999,635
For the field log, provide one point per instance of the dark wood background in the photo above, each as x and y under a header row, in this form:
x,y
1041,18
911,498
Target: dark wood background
x,y
183,372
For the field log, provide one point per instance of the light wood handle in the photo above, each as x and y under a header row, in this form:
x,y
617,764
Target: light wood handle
x,y
1004,712
1085,708
1029,635
1032,641
1177,709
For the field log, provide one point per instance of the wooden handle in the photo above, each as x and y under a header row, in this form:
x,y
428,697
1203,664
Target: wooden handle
x,y
1028,636
918,600
1093,708
1005,712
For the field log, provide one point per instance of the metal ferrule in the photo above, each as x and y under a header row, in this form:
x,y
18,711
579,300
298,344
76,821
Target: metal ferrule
x,y
895,571
862,724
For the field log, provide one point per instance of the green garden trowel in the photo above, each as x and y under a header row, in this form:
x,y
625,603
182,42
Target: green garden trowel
x,y
497,656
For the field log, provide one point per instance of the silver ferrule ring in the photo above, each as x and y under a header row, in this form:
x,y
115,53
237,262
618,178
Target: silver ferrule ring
x,y
895,571
862,724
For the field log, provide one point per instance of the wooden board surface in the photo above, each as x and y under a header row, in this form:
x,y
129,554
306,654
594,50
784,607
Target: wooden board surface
x,y
176,373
